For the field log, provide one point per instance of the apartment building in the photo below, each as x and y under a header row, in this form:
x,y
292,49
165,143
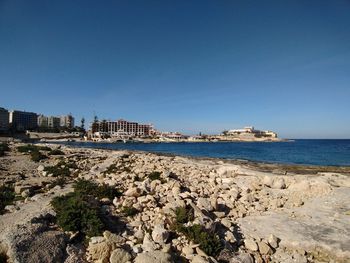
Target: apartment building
x,y
22,120
67,121
4,120
122,127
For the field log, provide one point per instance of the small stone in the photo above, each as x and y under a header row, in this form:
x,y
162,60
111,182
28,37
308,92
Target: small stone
x,y
250,244
160,234
187,250
119,255
264,248
278,183
204,203
199,259
273,241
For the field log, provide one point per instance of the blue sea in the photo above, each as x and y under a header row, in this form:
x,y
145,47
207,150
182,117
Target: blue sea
x,y
308,152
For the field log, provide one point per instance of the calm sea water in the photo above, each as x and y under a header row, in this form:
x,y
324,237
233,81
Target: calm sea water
x,y
313,152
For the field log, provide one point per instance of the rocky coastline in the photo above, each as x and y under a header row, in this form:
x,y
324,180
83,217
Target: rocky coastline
x,y
172,208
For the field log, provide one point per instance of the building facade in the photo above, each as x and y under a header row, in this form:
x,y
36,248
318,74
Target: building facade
x,y
67,121
4,120
53,122
22,120
122,127
42,121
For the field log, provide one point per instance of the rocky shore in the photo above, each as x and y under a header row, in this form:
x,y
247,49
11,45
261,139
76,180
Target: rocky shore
x,y
173,209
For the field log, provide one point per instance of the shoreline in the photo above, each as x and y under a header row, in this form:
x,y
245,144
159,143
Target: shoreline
x,y
288,166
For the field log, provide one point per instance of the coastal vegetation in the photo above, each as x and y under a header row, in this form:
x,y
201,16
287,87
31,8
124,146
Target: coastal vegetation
x,y
81,210
4,148
7,196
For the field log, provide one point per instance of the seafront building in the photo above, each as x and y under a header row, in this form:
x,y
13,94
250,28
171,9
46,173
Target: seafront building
x,y
67,121
4,120
22,120
42,121
249,131
121,127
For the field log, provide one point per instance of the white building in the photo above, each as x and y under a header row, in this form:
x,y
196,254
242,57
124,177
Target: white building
x,y
67,121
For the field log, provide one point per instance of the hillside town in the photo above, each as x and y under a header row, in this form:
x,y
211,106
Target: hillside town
x,y
44,127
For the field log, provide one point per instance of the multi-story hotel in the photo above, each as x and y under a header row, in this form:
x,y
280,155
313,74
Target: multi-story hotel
x,y
122,127
67,121
50,122
22,120
4,120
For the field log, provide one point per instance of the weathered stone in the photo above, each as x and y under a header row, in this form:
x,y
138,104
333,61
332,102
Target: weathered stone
x,y
119,255
278,183
153,257
264,248
199,259
134,192
273,241
160,234
204,203
250,244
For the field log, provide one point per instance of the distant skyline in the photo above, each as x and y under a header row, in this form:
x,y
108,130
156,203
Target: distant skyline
x,y
188,66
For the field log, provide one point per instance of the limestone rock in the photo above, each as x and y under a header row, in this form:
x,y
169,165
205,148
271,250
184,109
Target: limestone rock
x,y
278,183
273,241
134,192
160,234
264,248
204,203
119,255
250,244
153,257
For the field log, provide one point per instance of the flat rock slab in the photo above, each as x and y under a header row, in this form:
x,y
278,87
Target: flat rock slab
x,y
321,227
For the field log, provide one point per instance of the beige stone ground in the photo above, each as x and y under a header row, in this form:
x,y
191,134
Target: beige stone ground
x,y
251,205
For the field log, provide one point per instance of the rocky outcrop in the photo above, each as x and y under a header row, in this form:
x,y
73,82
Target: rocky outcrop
x,y
258,216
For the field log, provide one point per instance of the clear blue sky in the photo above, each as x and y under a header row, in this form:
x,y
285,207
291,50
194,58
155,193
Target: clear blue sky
x,y
186,65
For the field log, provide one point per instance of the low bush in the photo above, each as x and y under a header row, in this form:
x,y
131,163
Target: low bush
x,y
184,215
69,164
208,242
4,148
36,156
3,257
56,152
61,181
78,212
7,196
111,169
129,211
154,176
57,170
85,187
32,148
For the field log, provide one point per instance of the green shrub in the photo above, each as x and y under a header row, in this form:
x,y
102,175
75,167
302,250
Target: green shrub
x,y
111,169
154,176
7,196
57,170
36,156
32,148
69,164
85,187
56,152
61,181
208,242
129,211
4,148
184,215
77,212
3,257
